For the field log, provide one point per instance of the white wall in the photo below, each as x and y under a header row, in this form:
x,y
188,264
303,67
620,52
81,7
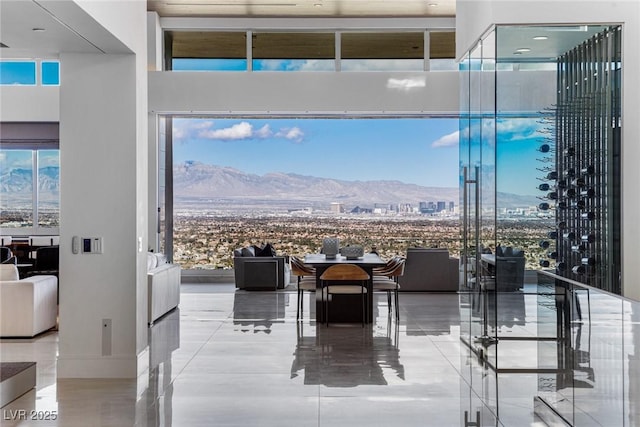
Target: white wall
x,y
474,17
304,92
29,103
104,175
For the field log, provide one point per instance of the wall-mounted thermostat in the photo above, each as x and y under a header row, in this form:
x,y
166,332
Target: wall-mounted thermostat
x,y
92,245
86,245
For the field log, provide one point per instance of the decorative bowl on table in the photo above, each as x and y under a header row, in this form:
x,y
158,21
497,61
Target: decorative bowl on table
x,y
330,247
352,252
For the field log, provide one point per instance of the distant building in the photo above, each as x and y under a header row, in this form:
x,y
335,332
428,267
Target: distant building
x,y
452,207
441,206
337,207
359,210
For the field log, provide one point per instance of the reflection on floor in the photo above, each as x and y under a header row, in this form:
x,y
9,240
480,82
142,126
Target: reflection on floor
x,y
228,358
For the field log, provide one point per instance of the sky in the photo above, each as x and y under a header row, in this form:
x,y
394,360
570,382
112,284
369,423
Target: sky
x,y
420,151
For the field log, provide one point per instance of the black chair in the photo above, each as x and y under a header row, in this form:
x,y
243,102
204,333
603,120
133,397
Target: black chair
x,y
47,261
5,254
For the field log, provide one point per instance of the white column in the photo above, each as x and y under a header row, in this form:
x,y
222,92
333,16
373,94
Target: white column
x,y
103,174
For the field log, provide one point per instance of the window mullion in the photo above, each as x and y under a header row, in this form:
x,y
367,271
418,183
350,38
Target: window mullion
x,y
35,189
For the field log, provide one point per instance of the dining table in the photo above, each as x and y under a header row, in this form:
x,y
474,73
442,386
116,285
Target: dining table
x,y
346,309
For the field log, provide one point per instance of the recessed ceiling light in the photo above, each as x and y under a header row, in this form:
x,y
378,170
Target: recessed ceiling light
x,y
523,49
433,4
317,5
38,30
517,53
540,38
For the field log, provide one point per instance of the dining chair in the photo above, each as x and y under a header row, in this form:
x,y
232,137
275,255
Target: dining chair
x,y
386,280
306,282
349,273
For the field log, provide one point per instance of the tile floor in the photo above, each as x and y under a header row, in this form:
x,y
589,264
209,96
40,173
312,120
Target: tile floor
x,y
228,358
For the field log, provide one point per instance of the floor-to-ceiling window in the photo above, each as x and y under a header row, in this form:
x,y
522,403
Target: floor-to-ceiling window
x,y
29,178
386,184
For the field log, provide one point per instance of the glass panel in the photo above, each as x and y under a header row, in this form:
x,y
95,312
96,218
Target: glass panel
x,y
208,64
17,73
294,65
443,65
16,191
48,188
240,182
50,73
381,65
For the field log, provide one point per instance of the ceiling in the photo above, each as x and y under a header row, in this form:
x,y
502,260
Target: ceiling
x,y
303,8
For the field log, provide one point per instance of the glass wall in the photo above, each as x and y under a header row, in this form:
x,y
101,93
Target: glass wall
x,y
539,153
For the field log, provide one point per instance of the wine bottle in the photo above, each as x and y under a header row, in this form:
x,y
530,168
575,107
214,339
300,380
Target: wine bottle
x,y
579,269
588,215
544,263
545,148
561,225
552,255
569,151
579,204
561,267
579,182
552,175
591,261
588,238
579,248
562,183
544,244
552,234
569,235
571,193
544,206
589,170
589,192
570,173
544,187
553,195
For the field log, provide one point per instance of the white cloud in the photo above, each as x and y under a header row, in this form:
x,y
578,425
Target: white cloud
x,y
186,129
264,132
450,140
293,134
242,130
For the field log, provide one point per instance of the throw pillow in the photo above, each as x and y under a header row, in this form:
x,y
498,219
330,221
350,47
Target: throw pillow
x,y
267,251
248,251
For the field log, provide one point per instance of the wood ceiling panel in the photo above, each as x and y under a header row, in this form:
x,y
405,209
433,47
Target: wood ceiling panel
x,y
311,45
442,45
209,44
293,45
382,45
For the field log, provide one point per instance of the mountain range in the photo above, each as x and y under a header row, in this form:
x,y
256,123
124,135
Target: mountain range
x,y
19,180
196,180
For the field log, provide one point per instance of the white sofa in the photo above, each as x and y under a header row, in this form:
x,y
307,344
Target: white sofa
x,y
163,281
28,306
